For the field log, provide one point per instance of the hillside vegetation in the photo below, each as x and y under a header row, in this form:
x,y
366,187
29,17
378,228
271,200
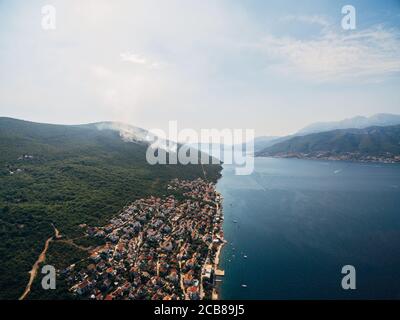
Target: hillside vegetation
x,y
67,175
372,141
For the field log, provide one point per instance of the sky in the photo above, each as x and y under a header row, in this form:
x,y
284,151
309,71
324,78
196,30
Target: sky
x,y
271,66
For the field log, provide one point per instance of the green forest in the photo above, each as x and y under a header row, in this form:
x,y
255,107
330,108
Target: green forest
x,y
67,176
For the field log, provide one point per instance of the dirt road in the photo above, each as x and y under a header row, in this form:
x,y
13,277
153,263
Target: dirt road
x,y
35,267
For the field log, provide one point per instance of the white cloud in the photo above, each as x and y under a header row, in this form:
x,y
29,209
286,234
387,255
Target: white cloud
x,y
100,71
140,60
134,58
368,54
310,19
149,61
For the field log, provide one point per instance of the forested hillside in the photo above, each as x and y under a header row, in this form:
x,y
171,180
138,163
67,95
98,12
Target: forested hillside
x,y
372,141
67,176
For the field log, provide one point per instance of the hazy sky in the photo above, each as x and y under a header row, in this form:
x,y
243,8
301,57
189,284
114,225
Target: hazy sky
x,y
273,66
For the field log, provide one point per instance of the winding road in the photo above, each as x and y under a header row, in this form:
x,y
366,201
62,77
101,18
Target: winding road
x,y
41,258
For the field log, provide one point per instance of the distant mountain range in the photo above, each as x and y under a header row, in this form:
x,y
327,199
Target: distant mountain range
x,y
359,122
263,142
368,144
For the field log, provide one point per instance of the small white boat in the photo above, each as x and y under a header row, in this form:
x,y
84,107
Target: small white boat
x,y
244,285
245,256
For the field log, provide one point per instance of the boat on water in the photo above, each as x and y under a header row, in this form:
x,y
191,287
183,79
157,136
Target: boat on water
x,y
244,285
234,221
245,256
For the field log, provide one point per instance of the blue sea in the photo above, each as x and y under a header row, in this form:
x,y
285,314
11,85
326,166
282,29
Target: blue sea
x,y
293,224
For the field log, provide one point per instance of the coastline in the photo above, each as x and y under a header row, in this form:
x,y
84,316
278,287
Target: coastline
x,y
342,158
218,273
145,235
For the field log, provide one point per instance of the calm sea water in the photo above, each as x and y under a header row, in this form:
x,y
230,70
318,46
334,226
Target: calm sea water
x,y
299,221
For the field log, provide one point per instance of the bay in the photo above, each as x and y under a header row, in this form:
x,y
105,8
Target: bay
x,y
293,224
